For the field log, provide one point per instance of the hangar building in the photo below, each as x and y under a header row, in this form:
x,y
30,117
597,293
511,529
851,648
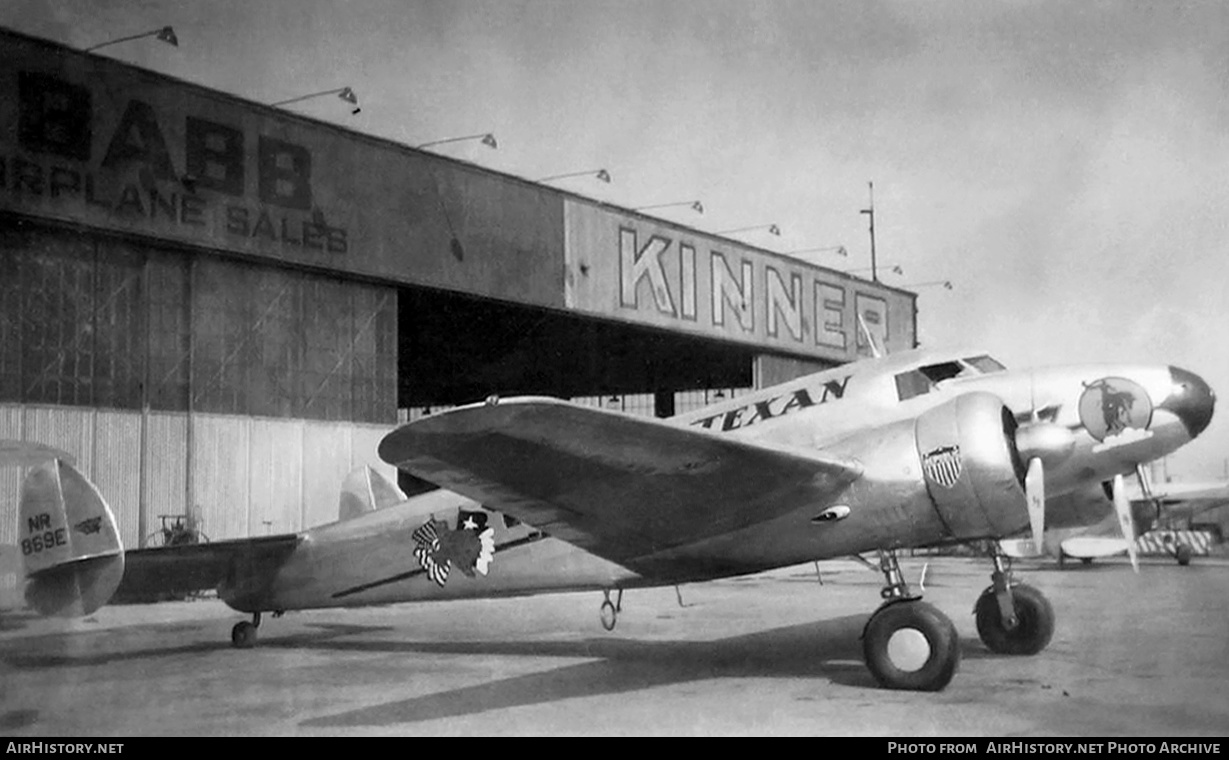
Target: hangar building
x,y
220,307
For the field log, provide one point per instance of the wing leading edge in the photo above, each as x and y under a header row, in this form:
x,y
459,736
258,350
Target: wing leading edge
x,y
620,487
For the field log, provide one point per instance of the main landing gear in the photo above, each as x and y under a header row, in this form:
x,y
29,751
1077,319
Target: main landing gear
x,y
1012,618
907,643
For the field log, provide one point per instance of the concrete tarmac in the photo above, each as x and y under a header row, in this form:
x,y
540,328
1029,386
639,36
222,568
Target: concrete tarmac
x,y
771,654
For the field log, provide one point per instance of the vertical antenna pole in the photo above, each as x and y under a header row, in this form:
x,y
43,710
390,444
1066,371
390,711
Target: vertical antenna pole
x,y
871,213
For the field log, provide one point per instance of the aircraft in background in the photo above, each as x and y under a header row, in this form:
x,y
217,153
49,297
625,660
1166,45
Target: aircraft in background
x,y
23,454
1088,527
915,449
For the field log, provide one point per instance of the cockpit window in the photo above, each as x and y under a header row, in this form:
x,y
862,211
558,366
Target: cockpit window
x,y
940,372
985,364
910,384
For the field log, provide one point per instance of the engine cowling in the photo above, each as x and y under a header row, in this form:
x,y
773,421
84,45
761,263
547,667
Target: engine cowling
x,y
951,474
971,467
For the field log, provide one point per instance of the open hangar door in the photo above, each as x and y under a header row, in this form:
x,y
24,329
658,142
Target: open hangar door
x,y
456,349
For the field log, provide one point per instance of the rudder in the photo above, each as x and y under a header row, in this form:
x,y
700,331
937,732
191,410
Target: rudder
x,y
366,490
71,552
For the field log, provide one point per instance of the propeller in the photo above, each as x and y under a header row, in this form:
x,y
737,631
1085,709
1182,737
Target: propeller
x,y
1039,444
1035,493
1122,507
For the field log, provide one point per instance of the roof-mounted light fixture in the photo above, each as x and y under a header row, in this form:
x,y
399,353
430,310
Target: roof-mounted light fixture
x,y
600,174
486,138
695,206
345,93
165,34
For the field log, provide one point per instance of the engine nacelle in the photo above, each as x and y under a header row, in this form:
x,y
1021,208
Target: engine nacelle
x,y
953,473
971,467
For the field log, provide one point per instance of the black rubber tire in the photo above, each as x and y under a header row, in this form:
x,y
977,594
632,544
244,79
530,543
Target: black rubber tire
x,y
940,636
1183,554
1033,631
243,635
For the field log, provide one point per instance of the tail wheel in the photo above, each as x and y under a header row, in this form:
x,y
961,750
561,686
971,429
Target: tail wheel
x,y
911,645
243,635
1183,554
1034,621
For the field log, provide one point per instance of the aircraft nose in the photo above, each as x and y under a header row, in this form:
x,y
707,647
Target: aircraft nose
x,y
1191,399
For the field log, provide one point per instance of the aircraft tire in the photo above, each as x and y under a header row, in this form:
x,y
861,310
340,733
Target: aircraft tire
x,y
1033,631
243,635
911,645
1183,555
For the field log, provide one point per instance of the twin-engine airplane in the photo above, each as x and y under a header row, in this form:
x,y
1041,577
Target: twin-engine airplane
x,y
916,449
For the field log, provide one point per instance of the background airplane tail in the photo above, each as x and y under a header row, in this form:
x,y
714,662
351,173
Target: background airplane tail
x,y
71,553
366,490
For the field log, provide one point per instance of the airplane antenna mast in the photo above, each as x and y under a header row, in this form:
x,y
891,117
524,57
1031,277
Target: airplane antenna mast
x,y
871,213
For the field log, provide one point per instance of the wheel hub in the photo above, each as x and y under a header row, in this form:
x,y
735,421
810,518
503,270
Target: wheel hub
x,y
908,649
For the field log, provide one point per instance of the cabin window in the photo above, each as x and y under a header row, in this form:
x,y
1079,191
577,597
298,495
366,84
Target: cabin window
x,y
510,521
985,364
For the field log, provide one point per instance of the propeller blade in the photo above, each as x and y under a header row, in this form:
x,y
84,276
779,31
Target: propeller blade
x,y
1035,492
1122,506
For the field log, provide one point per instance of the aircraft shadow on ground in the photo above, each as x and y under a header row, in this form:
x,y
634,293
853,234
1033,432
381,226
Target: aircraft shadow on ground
x,y
52,654
828,649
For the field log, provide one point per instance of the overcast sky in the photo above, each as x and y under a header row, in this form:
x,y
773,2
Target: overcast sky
x,y
1064,164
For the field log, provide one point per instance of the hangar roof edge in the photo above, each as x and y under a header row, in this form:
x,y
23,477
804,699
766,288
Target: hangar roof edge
x,y
65,49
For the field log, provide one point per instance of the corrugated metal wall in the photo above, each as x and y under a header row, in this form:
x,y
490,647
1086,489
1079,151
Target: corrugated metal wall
x,y
250,476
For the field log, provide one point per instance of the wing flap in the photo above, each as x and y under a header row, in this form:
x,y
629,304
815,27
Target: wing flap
x,y
622,487
149,573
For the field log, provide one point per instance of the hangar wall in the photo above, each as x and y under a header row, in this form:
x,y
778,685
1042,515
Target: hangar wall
x,y
224,282
92,141
252,476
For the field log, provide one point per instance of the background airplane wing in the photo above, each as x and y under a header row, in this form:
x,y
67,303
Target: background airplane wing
x,y
618,486
1182,501
247,563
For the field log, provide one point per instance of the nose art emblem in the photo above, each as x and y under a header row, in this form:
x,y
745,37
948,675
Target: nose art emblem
x,y
1115,410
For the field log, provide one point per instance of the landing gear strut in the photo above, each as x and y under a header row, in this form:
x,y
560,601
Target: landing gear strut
x,y
1012,618
907,643
610,612
243,635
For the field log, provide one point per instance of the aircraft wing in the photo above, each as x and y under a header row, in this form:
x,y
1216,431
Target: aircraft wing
x,y
1180,501
250,562
618,486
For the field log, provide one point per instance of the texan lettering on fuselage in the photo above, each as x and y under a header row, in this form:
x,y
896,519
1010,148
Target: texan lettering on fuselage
x,y
763,410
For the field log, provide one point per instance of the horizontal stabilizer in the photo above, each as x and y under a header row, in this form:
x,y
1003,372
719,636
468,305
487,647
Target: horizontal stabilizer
x,y
71,552
27,454
366,490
